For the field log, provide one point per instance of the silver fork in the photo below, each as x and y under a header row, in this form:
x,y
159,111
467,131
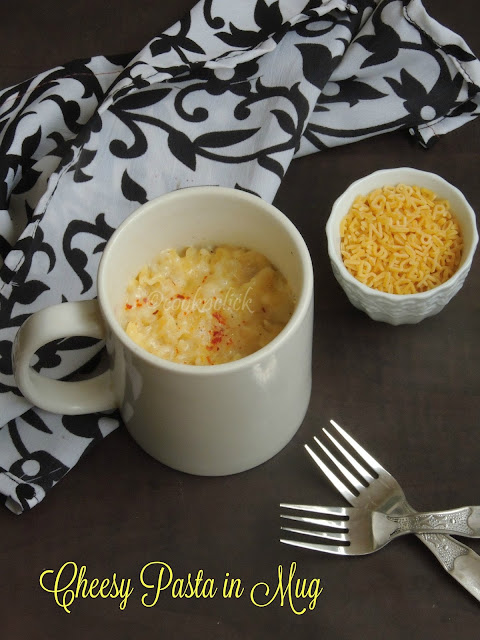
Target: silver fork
x,y
360,531
378,490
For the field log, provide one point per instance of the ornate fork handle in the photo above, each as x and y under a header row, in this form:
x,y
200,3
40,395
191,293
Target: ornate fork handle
x,y
461,562
463,521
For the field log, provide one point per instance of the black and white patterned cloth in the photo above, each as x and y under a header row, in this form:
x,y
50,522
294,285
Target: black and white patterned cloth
x,y
229,95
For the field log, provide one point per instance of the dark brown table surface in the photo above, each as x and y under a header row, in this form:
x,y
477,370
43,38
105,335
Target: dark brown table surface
x,y
410,394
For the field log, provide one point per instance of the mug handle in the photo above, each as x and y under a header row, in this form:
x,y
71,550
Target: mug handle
x,y
64,320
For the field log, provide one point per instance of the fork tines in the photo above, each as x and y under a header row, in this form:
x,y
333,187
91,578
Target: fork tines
x,y
338,526
353,471
346,458
339,522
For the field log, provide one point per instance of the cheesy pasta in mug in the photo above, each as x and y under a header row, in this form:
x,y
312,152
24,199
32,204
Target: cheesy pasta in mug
x,y
206,306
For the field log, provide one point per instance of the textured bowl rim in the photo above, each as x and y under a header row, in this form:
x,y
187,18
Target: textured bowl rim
x,y
423,295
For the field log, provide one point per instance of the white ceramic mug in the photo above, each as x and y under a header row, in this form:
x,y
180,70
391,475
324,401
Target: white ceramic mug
x,y
205,420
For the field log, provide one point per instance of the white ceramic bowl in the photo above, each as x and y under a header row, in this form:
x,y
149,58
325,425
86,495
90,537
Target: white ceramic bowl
x,y
392,308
